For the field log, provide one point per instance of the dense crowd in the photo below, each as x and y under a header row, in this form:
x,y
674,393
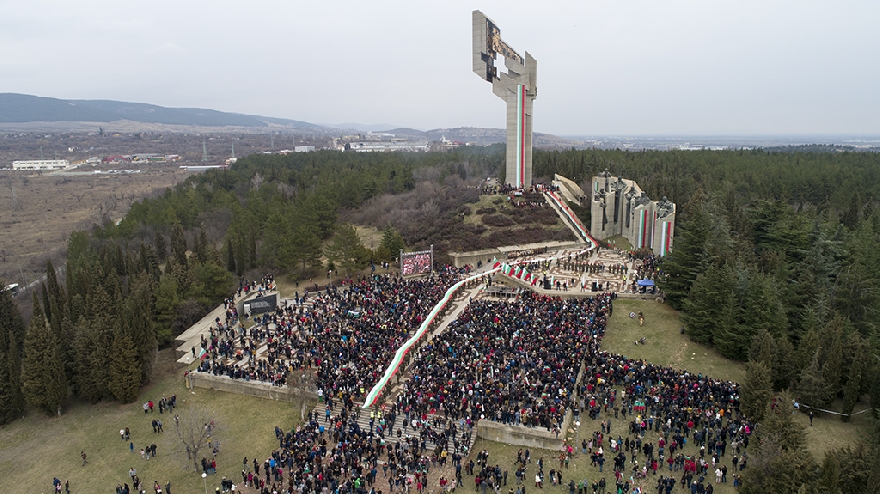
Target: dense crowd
x,y
334,454
347,334
517,362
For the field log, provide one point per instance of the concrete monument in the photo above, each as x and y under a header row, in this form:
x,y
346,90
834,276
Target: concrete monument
x,y
620,207
517,87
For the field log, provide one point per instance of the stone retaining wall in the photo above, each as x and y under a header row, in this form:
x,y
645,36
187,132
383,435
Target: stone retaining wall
x,y
242,387
532,437
459,259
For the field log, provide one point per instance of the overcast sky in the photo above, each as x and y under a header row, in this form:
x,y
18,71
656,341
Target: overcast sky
x,y
610,67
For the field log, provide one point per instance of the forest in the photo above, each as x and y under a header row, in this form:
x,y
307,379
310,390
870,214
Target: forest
x,y
774,260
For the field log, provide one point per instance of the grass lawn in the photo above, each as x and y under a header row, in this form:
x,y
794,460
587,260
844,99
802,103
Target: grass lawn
x,y
36,448
664,344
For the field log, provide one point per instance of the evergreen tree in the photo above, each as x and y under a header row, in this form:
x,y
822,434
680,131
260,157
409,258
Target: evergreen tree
x,y
784,366
781,464
763,349
305,246
178,245
276,248
12,332
707,307
687,259
139,312
854,384
392,241
831,357
42,374
124,369
756,391
230,257
812,388
201,248
161,246
346,249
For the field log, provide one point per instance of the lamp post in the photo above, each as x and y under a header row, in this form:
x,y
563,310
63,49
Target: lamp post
x,y
205,479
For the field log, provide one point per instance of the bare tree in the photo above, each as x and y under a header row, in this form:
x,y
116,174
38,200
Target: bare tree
x,y
301,384
197,432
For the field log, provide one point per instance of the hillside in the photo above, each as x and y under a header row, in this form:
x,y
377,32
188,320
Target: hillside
x,y
22,108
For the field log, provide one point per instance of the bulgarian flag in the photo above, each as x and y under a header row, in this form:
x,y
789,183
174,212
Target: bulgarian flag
x,y
495,262
203,354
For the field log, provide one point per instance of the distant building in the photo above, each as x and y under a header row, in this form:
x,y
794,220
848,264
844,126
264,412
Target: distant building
x,y
303,149
40,165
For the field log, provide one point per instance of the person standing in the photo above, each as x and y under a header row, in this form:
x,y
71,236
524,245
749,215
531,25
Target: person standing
x,y
82,455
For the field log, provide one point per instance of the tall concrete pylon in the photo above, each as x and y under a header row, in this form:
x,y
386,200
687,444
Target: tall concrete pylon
x,y
517,87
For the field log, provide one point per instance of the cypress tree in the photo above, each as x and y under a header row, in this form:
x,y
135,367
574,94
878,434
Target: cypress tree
x,y
12,331
124,369
230,256
756,391
178,245
42,373
139,312
161,246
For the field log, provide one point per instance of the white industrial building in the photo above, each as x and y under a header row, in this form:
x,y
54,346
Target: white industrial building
x,y
40,165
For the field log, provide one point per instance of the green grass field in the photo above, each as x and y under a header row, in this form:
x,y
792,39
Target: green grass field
x,y
36,448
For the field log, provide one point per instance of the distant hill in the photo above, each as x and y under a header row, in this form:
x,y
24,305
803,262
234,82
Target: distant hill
x,y
24,111
21,108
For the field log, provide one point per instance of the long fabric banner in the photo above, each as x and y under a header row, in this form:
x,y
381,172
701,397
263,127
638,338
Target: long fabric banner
x,y
573,218
394,366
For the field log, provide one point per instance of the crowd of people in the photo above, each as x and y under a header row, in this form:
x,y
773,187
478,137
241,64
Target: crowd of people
x,y
348,335
515,362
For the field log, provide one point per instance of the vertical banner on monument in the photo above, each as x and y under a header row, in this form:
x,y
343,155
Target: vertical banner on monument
x,y
413,263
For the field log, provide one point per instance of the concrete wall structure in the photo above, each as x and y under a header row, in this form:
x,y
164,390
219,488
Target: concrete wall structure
x,y
620,207
517,87
242,387
459,259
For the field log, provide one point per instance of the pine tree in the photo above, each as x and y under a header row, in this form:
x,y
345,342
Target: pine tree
x,y
124,369
854,385
763,349
784,365
12,332
781,464
346,249
812,388
392,241
706,309
831,357
686,260
305,246
42,373
756,391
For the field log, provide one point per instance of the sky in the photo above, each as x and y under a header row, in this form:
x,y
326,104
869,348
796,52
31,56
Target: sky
x,y
633,67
